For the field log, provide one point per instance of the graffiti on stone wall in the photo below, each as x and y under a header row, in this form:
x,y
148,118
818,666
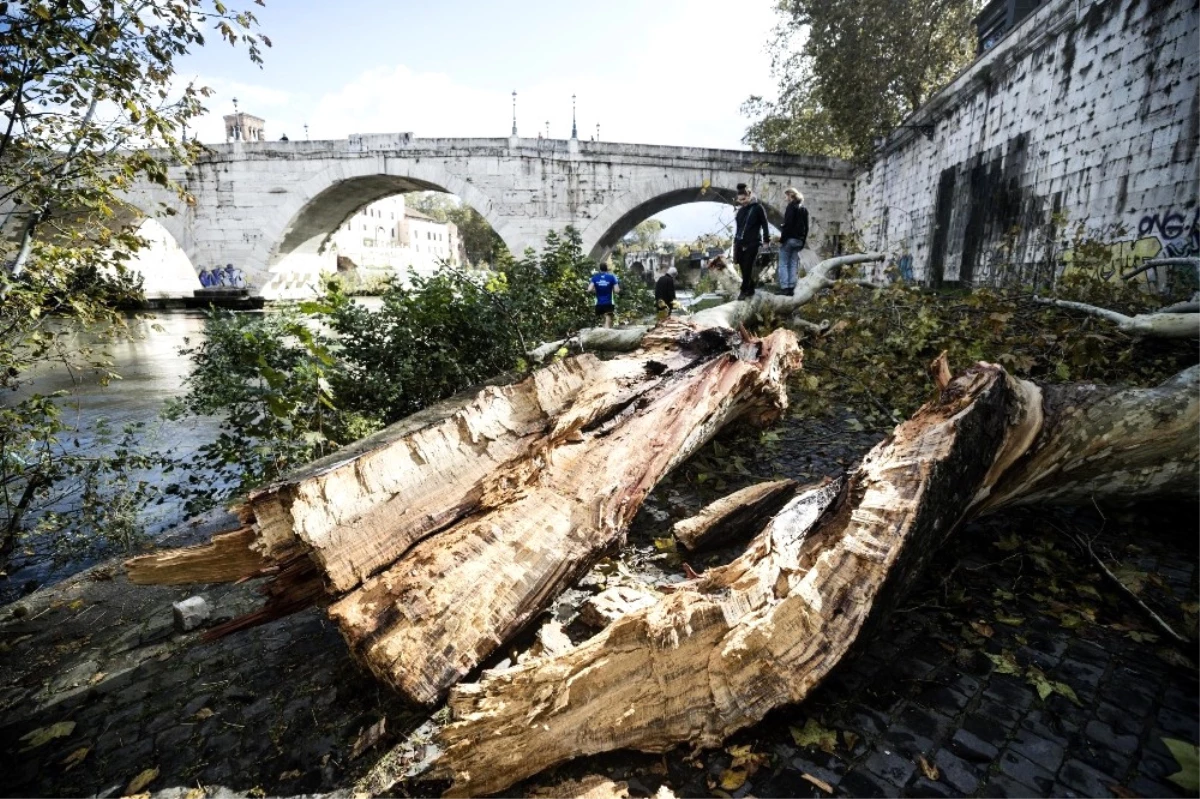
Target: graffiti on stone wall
x,y
1110,258
1179,235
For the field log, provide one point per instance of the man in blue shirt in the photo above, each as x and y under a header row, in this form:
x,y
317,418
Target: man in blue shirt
x,y
604,285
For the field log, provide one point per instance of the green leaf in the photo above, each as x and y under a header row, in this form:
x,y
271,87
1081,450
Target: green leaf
x,y
44,735
1188,758
816,735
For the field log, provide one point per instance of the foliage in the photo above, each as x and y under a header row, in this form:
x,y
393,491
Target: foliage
x,y
480,242
873,358
645,235
848,72
287,395
85,89
267,379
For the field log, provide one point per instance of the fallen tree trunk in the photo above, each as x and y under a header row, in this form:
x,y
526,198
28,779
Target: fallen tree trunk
x,y
1164,324
730,314
438,611
446,533
719,522
718,654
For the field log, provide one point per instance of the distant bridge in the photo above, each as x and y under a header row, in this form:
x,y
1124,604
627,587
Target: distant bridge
x,y
271,207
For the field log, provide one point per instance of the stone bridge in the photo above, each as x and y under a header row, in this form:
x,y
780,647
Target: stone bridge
x,y
270,207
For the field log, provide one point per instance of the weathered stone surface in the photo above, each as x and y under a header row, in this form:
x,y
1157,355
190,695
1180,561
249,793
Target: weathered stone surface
x,y
190,613
1085,112
270,207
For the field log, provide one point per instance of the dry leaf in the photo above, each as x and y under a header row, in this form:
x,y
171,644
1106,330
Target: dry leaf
x,y
983,629
141,781
824,786
204,713
98,676
927,768
75,758
290,775
44,735
195,793
733,778
368,737
813,734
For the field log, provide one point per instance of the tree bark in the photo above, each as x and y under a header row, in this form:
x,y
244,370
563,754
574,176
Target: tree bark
x,y
740,512
437,612
1152,325
446,533
718,654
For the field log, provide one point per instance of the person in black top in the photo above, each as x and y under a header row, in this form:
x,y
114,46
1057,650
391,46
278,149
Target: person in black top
x,y
664,293
749,221
794,238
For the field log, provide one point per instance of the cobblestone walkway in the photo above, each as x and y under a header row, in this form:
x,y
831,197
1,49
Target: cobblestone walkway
x,y
1014,670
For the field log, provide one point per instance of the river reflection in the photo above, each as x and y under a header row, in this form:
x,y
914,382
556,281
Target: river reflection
x,y
152,371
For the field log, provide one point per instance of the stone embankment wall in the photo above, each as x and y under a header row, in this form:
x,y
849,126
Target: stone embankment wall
x,y
1080,126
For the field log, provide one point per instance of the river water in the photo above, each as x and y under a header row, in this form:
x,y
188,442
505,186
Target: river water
x,y
151,371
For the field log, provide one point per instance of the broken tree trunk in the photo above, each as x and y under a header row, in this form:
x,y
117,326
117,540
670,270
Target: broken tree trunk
x,y
721,521
436,613
718,654
447,532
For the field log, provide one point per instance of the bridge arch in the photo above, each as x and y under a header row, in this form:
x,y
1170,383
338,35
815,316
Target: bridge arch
x,y
301,227
627,212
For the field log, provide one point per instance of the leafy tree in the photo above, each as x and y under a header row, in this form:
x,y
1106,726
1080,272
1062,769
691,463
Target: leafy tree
x,y
480,242
645,236
851,71
87,87
286,395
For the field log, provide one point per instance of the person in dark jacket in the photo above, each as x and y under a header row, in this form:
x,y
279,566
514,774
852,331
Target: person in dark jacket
x,y
794,238
750,221
664,293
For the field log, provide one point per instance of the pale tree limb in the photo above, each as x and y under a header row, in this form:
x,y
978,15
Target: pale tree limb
x,y
1155,325
722,651
730,315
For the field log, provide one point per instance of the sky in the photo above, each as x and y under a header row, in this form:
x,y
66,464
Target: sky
x,y
671,72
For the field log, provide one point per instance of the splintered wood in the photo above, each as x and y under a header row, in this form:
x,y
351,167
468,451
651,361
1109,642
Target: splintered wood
x,y
724,649
439,537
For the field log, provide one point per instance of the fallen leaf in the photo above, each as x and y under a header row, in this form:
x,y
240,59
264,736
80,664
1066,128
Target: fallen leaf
x,y
75,758
368,737
141,781
98,676
195,793
44,735
927,768
983,629
813,734
1188,757
1176,658
1087,590
1012,621
732,779
204,713
1004,663
290,775
824,786
849,738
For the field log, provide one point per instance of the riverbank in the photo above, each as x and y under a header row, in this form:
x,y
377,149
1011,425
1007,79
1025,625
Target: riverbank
x,y
949,698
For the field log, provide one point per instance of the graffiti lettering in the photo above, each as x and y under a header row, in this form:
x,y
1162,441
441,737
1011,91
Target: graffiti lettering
x,y
1179,236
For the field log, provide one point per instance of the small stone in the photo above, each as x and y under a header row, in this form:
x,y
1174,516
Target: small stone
x,y
190,613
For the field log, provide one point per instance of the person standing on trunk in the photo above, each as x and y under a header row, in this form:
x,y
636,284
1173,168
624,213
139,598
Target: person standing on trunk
x,y
604,285
664,293
794,238
750,220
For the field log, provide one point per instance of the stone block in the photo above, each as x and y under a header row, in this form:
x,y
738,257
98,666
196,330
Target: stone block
x,y
190,613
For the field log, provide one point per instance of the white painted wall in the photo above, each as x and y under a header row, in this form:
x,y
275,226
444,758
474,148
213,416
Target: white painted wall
x,y
1087,112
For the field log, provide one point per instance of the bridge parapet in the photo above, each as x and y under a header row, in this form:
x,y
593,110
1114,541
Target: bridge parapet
x,y
271,207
